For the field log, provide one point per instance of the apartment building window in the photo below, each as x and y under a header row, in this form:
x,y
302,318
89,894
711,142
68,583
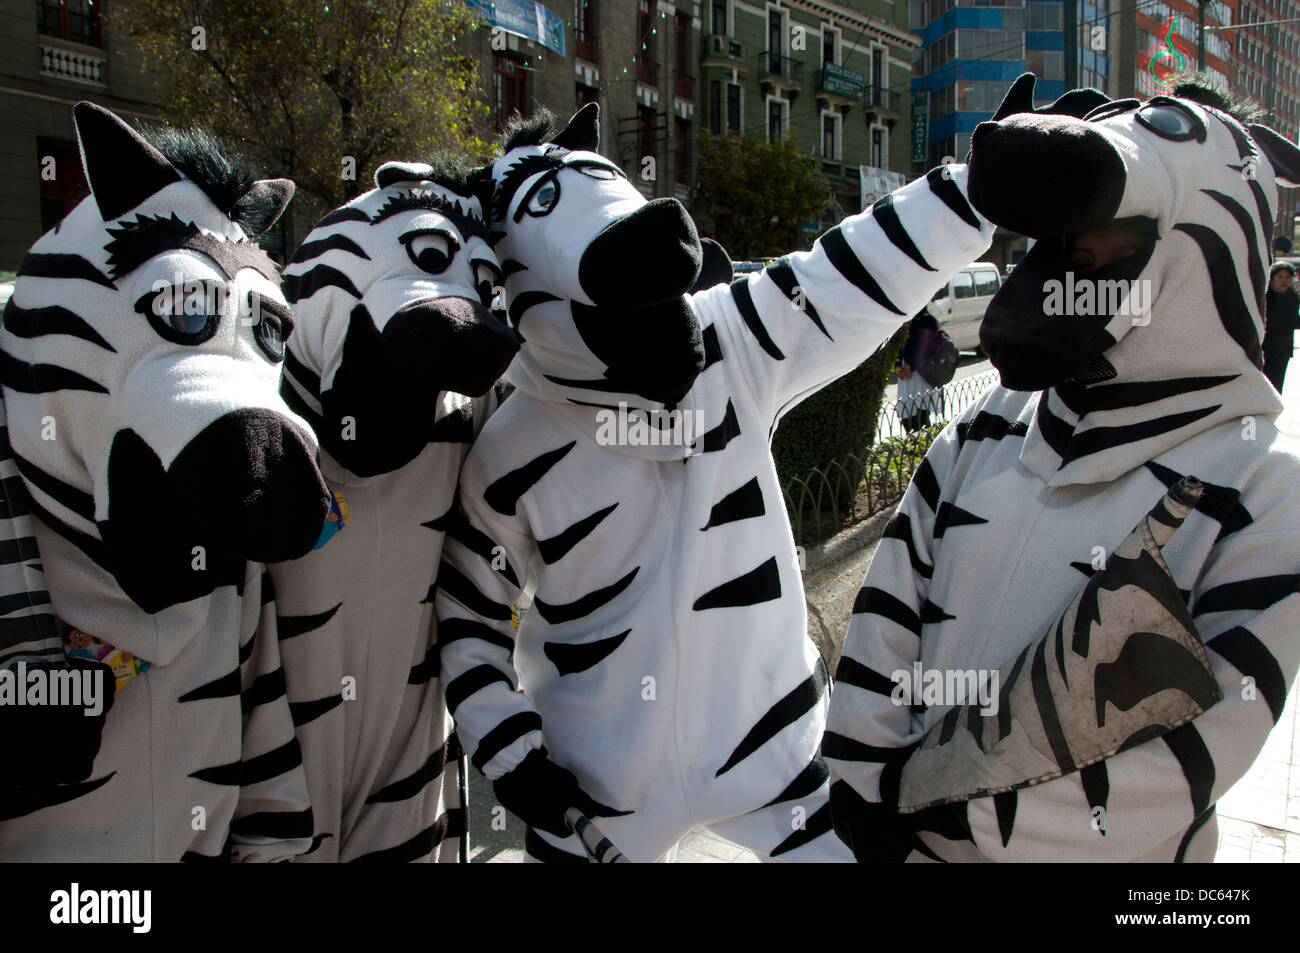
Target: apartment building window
x,y
879,148
76,20
733,107
584,29
60,195
877,67
715,107
507,88
775,41
683,81
645,131
647,68
832,139
719,18
585,94
682,170
775,119
830,38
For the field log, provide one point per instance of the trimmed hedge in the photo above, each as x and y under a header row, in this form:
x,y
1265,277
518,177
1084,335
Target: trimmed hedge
x,y
837,420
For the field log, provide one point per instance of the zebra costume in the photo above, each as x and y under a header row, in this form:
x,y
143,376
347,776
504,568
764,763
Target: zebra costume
x,y
1021,503
140,370
664,661
390,294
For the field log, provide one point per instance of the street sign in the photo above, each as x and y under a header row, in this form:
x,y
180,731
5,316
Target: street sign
x,y
523,18
920,125
842,81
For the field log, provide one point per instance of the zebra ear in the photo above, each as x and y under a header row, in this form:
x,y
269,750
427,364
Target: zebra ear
x,y
1019,98
390,173
582,134
262,205
123,170
1282,152
715,266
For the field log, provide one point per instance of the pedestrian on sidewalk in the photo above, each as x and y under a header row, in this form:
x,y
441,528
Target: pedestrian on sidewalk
x,y
1280,321
914,399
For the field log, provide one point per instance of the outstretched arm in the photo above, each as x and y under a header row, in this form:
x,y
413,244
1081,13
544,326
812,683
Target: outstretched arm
x,y
813,316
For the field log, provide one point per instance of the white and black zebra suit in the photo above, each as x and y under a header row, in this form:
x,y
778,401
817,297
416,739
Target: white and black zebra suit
x,y
153,444
390,294
1019,501
664,660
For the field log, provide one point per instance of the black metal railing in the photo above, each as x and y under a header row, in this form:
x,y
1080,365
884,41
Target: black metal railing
x,y
772,63
881,97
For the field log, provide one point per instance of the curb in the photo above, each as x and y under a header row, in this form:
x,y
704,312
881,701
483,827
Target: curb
x,y
846,542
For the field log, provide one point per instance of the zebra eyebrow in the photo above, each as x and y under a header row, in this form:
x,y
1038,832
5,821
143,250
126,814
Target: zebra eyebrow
x,y
134,243
430,201
515,176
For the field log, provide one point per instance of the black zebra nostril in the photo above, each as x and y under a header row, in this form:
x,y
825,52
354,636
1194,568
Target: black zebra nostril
x,y
451,344
649,256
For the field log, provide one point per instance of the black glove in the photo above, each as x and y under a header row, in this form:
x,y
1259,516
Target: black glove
x,y
539,791
55,744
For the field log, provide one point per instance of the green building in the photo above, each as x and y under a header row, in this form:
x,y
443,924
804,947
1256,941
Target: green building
x,y
836,75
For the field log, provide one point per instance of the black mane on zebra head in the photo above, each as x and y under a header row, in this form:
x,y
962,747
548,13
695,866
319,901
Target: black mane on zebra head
x,y
1159,213
150,329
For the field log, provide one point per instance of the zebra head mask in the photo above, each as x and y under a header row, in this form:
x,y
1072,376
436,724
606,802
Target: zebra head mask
x,y
141,363
597,276
392,293
1192,188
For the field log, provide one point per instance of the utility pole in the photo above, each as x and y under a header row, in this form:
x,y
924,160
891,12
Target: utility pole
x,y
1071,30
1272,42
1200,36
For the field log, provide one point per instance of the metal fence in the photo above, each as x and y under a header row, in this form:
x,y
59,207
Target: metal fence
x,y
856,487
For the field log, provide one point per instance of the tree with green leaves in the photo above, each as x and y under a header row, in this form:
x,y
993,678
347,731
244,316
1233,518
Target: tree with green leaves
x,y
320,92
755,196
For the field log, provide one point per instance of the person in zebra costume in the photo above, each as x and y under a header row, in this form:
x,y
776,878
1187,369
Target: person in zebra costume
x,y
140,362
1107,403
391,294
663,677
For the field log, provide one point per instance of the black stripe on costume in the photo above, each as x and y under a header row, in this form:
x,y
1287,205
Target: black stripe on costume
x,y
426,670
1099,439
1261,592
21,801
1228,300
721,435
1056,432
745,304
505,734
1004,805
570,658
987,426
783,277
1191,832
1198,767
314,249
842,748
806,783
343,215
557,613
59,265
899,527
932,613
443,523
282,825
942,185
1083,400
38,322
227,686
927,484
555,548
886,216
408,787
850,267
466,684
780,716
265,688
761,584
712,349
461,588
480,544
289,626
503,493
876,601
521,302
1221,503
92,546
454,427
298,287
1252,658
1096,787
815,825
1047,710
740,504
1250,229
451,630
418,846
43,378
603,385
852,672
547,853
263,767
304,713
950,515
18,550
303,374
75,499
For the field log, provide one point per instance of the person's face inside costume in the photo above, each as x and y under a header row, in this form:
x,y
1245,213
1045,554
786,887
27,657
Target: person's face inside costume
x,y
1099,247
1281,281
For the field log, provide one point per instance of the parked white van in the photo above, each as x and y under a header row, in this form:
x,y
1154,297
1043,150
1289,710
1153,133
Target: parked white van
x,y
959,305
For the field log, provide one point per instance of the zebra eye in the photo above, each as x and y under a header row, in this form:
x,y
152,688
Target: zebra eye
x,y
544,198
272,325
1169,122
596,171
431,250
487,279
187,313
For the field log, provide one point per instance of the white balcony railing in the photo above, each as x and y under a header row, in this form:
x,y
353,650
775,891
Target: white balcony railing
x,y
73,65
